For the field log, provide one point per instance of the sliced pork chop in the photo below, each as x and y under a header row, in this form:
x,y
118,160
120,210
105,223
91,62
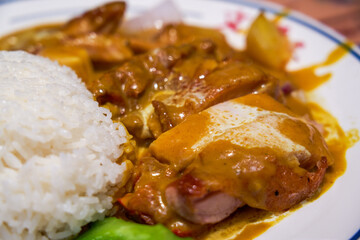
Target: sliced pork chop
x,y
248,151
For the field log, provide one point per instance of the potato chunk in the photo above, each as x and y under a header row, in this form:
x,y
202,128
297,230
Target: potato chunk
x,y
266,44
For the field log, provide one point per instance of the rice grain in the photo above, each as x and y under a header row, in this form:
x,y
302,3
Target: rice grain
x,y
58,150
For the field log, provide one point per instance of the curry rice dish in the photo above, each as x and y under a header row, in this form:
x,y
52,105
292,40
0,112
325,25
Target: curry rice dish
x,y
213,129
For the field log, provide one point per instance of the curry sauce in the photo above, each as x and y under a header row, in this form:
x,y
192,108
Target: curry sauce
x,y
194,106
307,79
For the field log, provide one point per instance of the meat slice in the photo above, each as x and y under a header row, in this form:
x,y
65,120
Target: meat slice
x,y
248,151
189,197
227,81
102,49
105,19
168,84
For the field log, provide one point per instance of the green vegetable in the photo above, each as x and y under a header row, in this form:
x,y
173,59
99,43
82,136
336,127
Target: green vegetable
x,y
117,229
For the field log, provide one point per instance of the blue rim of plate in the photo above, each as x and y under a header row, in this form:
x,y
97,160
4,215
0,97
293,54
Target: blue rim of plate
x,y
356,236
265,7
291,17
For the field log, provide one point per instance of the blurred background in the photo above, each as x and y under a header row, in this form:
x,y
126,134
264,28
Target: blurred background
x,y
341,15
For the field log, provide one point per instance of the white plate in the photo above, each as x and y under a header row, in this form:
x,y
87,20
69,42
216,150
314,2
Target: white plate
x,y
336,214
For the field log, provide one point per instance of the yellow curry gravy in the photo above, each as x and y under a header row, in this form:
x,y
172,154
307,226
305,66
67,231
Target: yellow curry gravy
x,y
307,79
254,222
249,222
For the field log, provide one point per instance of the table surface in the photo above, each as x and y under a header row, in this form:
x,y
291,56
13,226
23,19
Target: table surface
x,y
341,15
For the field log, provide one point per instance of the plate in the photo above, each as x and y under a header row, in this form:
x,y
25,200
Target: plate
x,y
336,214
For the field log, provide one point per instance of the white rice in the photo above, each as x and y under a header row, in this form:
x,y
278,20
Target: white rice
x,y
58,150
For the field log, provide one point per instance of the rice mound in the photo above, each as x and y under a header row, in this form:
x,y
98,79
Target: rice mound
x,y
58,150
